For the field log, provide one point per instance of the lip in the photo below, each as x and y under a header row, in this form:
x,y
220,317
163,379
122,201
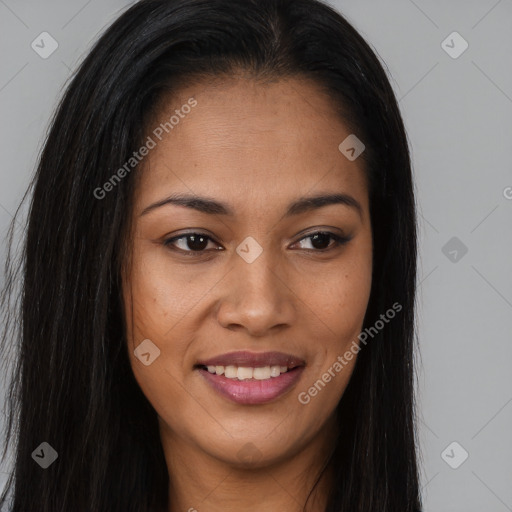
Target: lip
x,y
254,360
252,391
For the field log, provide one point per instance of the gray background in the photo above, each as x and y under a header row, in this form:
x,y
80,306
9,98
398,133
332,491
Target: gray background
x,y
458,115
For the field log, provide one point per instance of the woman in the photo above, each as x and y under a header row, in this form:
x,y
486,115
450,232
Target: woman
x,y
219,273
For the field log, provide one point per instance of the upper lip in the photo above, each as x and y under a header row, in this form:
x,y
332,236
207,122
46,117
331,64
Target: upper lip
x,y
253,360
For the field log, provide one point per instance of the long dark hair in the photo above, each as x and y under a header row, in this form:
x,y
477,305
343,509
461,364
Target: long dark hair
x,y
72,385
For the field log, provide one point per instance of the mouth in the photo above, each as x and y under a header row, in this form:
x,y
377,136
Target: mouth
x,y
251,378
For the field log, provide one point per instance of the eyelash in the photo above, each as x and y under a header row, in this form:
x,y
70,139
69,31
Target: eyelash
x,y
339,241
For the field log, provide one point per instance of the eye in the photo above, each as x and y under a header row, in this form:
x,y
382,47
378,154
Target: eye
x,y
320,241
190,243
193,244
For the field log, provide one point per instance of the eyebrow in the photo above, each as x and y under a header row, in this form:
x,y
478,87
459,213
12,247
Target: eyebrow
x,y
213,207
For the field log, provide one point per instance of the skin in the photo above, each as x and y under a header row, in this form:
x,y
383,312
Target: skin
x,y
256,147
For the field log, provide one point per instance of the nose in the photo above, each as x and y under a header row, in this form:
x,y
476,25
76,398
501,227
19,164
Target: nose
x,y
256,297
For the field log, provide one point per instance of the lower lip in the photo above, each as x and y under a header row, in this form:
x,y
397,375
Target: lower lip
x,y
252,391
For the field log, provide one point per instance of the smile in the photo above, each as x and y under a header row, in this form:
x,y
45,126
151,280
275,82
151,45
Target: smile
x,y
250,385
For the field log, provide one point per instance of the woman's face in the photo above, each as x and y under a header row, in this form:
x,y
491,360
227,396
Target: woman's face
x,y
251,279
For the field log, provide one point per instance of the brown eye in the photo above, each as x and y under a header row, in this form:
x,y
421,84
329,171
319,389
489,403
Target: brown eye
x,y
320,241
190,242
195,244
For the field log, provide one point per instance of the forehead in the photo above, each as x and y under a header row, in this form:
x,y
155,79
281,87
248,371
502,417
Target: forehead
x,y
245,139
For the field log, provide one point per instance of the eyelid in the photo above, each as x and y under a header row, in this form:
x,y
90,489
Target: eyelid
x,y
340,240
168,242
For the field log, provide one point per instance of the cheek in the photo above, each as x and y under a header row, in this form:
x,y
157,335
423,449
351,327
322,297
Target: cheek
x,y
338,294
154,314
155,304
161,294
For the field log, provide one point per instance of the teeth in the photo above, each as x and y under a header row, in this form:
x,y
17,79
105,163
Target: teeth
x,y
231,372
244,372
262,373
275,371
